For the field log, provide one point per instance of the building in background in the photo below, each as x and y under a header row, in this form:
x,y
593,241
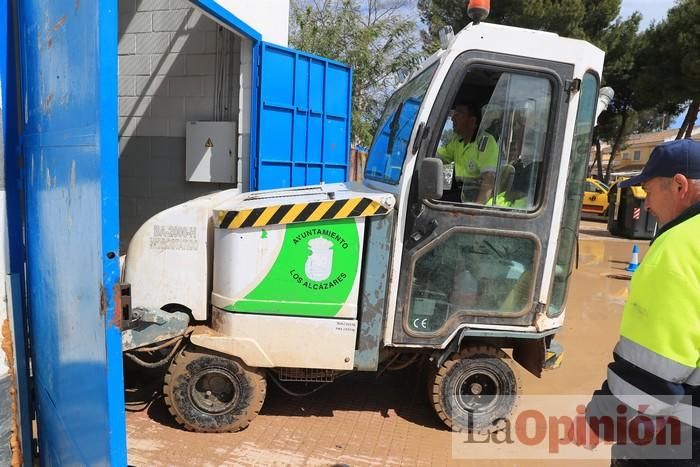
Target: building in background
x,y
635,152
638,148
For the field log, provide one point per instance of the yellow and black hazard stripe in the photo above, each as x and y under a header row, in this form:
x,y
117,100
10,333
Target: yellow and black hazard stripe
x,y
300,212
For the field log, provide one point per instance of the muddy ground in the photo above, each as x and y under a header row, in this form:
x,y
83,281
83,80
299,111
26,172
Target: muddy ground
x,y
360,420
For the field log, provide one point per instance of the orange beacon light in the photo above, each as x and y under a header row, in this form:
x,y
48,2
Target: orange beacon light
x,y
478,9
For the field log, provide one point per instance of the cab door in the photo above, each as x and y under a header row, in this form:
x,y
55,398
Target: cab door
x,y
469,261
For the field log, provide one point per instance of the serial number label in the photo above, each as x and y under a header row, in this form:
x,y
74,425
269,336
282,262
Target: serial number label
x,y
174,237
345,326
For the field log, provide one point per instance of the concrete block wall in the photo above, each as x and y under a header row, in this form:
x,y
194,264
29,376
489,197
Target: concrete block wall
x,y
167,64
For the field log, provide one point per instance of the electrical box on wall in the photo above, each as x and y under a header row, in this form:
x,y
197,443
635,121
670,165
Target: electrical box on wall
x,y
211,152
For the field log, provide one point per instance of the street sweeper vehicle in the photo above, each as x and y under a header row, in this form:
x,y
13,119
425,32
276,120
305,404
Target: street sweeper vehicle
x,y
455,250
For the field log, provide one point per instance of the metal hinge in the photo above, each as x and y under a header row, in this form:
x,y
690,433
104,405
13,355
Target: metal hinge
x,y
125,303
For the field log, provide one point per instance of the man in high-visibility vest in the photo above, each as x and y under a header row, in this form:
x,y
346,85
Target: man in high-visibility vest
x,y
475,156
655,376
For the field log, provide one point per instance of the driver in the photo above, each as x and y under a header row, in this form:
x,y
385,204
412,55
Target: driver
x,y
475,156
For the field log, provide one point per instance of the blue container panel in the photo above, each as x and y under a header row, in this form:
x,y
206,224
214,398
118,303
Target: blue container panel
x,y
278,173
313,175
338,81
304,120
298,175
279,91
301,84
317,86
315,138
331,172
333,140
277,122
301,130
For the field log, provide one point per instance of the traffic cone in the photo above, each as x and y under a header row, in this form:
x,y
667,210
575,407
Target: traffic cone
x,y
634,262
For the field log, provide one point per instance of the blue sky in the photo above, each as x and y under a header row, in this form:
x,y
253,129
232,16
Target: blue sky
x,y
651,10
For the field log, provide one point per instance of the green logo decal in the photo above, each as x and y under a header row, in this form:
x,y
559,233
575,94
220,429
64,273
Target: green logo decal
x,y
313,274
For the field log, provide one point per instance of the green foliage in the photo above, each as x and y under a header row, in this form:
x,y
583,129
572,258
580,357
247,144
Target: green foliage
x,y
620,42
669,60
374,37
583,19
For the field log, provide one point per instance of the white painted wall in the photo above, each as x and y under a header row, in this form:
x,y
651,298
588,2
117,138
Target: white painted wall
x,y
269,17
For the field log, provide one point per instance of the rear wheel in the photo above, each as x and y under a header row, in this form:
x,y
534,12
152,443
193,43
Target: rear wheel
x,y
474,390
211,393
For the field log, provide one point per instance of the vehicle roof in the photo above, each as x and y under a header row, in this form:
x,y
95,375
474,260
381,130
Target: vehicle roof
x,y
520,42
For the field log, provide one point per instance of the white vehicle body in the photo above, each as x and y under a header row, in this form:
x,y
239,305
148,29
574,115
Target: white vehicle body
x,y
321,279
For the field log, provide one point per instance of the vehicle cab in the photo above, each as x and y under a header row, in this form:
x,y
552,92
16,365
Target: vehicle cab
x,y
497,261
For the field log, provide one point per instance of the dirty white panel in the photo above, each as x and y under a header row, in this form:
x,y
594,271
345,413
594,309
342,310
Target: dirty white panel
x,y
283,341
211,152
168,260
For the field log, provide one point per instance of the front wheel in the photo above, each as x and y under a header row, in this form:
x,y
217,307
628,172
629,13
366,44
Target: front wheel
x,y
474,390
212,393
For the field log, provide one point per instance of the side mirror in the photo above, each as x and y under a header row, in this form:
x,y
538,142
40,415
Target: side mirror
x,y
430,178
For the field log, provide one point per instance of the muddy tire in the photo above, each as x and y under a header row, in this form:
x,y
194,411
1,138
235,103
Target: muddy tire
x,y
474,390
212,393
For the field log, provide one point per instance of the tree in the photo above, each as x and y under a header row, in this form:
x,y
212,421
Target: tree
x,y
669,58
374,37
620,41
582,19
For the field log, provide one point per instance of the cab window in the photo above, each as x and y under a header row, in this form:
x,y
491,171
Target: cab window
x,y
474,273
390,145
580,153
493,142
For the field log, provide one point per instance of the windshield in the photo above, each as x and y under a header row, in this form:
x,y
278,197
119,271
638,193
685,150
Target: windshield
x,y
388,151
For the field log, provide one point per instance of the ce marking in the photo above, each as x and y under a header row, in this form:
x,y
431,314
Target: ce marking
x,y
420,323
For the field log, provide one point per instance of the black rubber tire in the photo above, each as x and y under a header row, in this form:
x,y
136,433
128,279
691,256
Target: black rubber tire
x,y
482,368
190,392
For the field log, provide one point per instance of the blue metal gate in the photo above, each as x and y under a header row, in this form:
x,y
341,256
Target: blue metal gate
x,y
68,63
304,120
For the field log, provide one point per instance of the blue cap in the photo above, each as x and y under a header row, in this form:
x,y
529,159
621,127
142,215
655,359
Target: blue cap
x,y
668,159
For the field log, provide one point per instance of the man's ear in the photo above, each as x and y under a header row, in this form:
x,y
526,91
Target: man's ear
x,y
681,184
